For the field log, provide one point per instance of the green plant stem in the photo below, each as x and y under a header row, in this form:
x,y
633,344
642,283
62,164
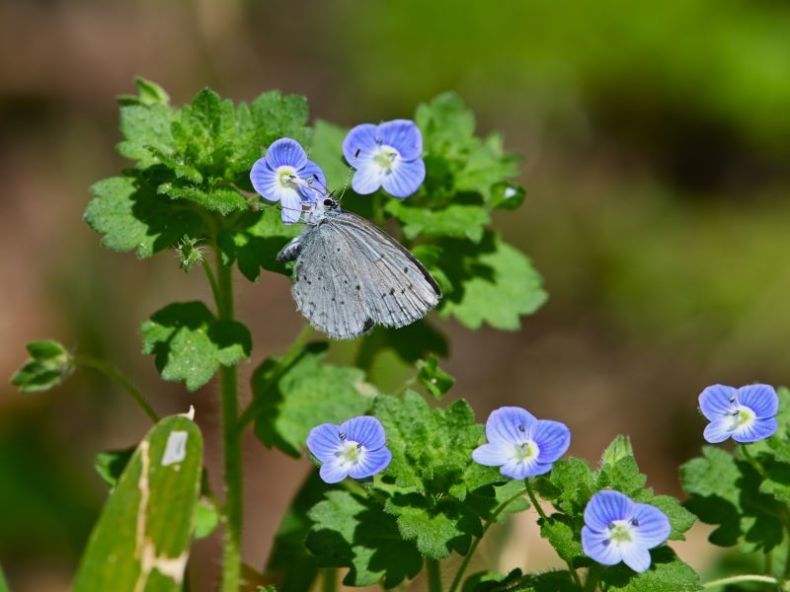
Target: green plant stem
x,y
740,579
378,210
231,557
288,360
459,574
113,374
592,578
434,575
534,499
329,579
212,280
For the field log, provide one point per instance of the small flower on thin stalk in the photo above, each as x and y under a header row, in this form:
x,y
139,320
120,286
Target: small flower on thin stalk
x,y
746,414
286,175
386,155
618,529
520,444
356,448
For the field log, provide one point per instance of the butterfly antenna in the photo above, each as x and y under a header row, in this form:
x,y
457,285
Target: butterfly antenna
x,y
346,184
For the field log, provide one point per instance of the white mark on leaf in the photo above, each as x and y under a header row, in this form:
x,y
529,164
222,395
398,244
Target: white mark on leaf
x,y
176,449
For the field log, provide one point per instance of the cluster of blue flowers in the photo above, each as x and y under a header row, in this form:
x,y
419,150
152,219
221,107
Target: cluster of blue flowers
x,y
387,156
616,529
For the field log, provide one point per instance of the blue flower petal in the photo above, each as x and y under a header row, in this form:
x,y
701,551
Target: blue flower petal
x,y
312,174
521,469
361,140
365,430
263,180
510,425
636,557
404,136
286,152
374,462
759,429
368,177
492,455
405,178
597,546
718,430
717,400
323,441
760,398
652,526
605,507
291,203
553,439
333,472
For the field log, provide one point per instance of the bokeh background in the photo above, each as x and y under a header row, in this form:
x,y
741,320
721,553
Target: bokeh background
x,y
656,143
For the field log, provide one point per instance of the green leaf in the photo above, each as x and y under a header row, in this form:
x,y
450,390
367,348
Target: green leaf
x,y
145,127
305,394
223,201
456,160
290,567
189,343
207,518
436,527
492,282
3,584
619,449
327,151
411,343
725,492
254,241
110,464
488,581
569,486
562,532
142,538
355,533
433,378
48,365
666,574
457,220
131,216
148,93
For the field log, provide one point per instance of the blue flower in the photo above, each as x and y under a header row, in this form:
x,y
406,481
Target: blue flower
x,y
747,414
286,175
617,529
520,444
356,448
386,155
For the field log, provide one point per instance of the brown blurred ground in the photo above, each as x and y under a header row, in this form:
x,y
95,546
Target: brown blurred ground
x,y
659,228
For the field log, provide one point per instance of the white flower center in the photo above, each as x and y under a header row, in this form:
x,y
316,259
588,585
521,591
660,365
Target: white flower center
x,y
741,417
526,451
288,179
386,157
622,531
351,453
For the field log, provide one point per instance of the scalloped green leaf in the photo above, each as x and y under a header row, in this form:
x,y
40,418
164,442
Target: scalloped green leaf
x,y
47,366
189,343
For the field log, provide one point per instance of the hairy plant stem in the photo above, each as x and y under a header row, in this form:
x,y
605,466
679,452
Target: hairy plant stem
x,y
534,499
459,574
740,579
434,575
231,556
329,579
113,374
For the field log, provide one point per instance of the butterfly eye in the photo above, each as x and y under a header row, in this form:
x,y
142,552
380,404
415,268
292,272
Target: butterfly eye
x,y
329,202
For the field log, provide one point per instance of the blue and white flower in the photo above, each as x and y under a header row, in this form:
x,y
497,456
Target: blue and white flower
x,y
521,445
746,414
356,448
286,175
618,529
388,155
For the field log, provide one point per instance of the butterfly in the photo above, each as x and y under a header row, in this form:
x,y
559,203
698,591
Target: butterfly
x,y
350,275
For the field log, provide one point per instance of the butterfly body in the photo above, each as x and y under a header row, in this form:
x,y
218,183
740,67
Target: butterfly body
x,y
350,275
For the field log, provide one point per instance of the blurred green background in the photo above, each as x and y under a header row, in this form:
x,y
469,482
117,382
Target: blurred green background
x,y
656,139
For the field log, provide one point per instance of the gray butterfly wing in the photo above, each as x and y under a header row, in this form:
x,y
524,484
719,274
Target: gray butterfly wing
x,y
350,275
